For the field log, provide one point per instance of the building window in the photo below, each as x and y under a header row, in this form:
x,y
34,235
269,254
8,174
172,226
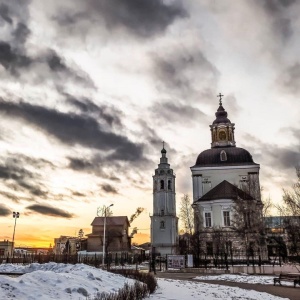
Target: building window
x,y
162,212
207,217
169,185
226,218
209,248
162,224
162,184
223,155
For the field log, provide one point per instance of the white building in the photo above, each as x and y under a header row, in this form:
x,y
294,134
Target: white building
x,y
164,223
222,175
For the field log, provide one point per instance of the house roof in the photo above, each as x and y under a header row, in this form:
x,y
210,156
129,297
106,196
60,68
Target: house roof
x,y
111,221
225,190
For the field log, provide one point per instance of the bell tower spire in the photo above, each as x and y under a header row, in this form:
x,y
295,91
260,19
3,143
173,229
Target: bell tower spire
x,y
222,130
164,222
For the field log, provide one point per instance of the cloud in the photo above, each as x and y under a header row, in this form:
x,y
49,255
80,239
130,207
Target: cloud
x,y
289,79
49,211
109,189
73,129
140,18
277,11
177,113
185,72
16,170
11,60
283,158
4,211
109,114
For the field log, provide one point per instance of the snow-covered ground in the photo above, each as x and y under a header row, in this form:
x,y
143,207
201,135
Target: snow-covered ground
x,y
190,290
63,281
242,278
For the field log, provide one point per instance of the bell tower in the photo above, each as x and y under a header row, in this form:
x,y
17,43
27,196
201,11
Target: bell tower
x,y
222,130
164,223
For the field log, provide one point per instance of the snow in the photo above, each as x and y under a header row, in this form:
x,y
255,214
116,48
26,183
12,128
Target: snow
x,y
189,290
64,281
245,278
57,281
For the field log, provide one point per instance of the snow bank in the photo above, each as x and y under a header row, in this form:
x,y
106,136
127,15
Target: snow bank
x,y
57,281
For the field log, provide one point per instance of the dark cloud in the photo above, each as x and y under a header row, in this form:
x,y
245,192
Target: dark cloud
x,y
283,158
10,196
77,194
14,171
109,189
281,23
178,113
5,14
15,15
55,62
109,114
290,78
79,164
139,17
11,60
275,6
73,129
4,211
21,33
185,72
50,211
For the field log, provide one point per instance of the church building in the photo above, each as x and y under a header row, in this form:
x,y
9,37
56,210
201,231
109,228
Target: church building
x,y
226,191
164,222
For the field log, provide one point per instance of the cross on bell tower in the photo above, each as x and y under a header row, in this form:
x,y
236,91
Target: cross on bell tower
x,y
220,100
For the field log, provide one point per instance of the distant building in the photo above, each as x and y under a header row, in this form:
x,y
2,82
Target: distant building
x,y
164,222
65,245
117,238
5,248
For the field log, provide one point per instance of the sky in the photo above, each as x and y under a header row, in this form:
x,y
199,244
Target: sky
x,y
90,89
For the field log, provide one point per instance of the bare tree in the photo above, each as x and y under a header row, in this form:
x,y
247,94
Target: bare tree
x,y
290,210
247,220
186,214
104,209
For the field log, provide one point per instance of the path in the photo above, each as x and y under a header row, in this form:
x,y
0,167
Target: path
x,y
281,291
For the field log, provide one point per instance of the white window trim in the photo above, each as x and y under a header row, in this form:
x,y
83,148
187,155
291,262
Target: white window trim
x,y
211,217
230,217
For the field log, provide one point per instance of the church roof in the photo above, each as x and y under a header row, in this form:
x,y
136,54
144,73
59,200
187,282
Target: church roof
x,y
111,221
225,190
234,156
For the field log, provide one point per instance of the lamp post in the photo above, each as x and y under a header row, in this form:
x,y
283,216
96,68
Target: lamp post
x,y
104,232
16,215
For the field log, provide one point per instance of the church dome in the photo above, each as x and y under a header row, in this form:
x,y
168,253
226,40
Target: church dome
x,y
221,116
224,156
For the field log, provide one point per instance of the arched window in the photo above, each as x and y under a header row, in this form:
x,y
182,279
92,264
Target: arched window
x,y
162,224
223,155
169,185
162,184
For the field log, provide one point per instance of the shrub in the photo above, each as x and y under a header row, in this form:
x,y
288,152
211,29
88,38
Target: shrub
x,y
146,278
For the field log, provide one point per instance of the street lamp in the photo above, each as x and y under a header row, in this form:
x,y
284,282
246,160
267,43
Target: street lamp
x,y
104,231
16,215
